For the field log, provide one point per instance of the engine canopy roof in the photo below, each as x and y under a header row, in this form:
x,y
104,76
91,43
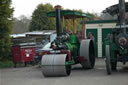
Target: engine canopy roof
x,y
69,14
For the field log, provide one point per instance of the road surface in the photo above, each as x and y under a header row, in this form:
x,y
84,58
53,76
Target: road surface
x,y
32,76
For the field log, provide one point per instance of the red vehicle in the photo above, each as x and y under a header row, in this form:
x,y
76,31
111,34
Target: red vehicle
x,y
23,53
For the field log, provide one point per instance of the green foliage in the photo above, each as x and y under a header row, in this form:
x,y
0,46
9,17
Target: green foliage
x,y
6,25
6,64
94,16
40,21
21,24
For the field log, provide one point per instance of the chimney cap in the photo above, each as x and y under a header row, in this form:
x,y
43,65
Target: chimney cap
x,y
58,7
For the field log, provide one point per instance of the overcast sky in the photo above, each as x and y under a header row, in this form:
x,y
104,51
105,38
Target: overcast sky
x,y
26,7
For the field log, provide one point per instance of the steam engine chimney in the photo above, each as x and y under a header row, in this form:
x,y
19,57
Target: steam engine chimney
x,y
122,12
58,20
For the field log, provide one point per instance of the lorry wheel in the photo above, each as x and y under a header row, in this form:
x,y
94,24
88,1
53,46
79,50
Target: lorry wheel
x,y
87,51
25,64
107,60
15,65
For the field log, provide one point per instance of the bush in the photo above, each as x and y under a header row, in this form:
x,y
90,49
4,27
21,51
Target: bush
x,y
6,64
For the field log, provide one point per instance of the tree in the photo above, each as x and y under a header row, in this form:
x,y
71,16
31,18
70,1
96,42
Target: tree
x,y
21,24
94,16
6,25
40,20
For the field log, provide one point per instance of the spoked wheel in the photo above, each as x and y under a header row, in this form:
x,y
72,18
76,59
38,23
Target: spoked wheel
x,y
55,65
87,51
108,62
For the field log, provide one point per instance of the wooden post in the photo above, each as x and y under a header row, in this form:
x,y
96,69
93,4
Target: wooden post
x,y
63,26
74,28
83,28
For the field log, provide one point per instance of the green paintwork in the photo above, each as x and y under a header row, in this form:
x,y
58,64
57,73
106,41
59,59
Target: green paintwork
x,y
71,14
105,32
73,44
73,39
113,47
94,33
101,21
70,62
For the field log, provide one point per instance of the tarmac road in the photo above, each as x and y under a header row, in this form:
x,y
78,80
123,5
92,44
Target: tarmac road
x,y
33,76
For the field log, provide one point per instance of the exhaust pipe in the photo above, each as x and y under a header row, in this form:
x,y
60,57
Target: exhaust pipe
x,y
122,12
58,20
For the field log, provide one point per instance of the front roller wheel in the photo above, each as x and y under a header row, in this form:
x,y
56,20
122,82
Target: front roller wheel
x,y
107,60
87,51
55,65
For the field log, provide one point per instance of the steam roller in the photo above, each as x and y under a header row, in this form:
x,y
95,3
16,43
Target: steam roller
x,y
70,47
116,45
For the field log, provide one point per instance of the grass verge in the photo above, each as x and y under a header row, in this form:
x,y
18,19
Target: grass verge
x,y
6,64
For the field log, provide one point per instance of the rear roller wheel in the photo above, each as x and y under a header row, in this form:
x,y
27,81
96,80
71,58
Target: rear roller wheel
x,y
87,51
108,62
55,65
